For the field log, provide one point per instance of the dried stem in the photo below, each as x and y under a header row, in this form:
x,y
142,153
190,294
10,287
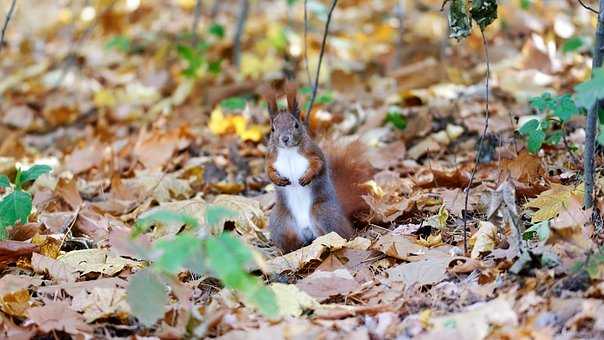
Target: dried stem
x,y
400,16
591,128
9,15
196,18
484,132
245,8
316,85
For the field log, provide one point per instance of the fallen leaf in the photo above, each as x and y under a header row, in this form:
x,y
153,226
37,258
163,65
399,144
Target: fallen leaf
x,y
322,285
292,301
58,316
102,303
97,260
59,271
299,258
425,272
484,239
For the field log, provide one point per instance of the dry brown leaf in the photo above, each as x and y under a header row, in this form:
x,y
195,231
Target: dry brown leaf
x,y
97,260
58,316
59,271
425,272
299,258
102,303
85,158
322,285
484,239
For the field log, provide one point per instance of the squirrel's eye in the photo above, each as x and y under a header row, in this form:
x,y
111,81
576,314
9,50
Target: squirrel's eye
x,y
296,125
272,129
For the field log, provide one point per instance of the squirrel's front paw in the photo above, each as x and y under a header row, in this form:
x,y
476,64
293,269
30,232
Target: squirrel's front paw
x,y
304,181
282,181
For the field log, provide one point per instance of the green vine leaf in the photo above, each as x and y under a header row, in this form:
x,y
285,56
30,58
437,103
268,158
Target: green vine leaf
x,y
4,182
15,207
484,12
459,20
33,173
588,92
227,257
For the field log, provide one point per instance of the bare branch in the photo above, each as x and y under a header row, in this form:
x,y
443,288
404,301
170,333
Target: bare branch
x,y
9,15
245,8
316,85
484,132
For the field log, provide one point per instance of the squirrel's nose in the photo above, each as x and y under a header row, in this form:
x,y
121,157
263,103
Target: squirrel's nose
x,y
285,139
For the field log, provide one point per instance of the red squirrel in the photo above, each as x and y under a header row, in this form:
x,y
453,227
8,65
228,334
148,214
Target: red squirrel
x,y
317,192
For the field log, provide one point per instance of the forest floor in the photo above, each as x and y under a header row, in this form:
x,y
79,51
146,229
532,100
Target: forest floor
x,y
135,114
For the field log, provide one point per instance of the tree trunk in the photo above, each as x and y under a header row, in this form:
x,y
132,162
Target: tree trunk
x,y
592,116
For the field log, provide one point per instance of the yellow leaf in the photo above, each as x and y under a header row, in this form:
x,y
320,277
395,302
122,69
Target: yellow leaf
x,y
104,98
431,241
15,303
254,133
218,124
291,300
551,202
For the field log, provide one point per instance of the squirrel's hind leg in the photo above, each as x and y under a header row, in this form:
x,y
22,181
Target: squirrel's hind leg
x,y
284,233
329,217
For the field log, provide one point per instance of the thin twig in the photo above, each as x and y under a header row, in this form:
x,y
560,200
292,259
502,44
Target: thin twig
x,y
587,7
245,8
196,18
316,86
399,11
306,42
484,132
567,146
9,15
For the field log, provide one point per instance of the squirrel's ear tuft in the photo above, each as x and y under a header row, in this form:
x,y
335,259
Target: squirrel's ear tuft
x,y
291,92
270,95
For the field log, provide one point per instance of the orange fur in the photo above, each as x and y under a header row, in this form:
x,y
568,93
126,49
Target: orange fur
x,y
349,170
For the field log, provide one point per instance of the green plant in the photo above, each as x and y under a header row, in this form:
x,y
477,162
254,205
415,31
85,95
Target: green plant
x,y
196,56
556,111
16,206
225,256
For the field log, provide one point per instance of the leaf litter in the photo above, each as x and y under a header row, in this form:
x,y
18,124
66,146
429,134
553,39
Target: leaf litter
x,y
134,125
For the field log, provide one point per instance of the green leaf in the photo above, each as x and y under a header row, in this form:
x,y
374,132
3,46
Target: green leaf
x,y
601,115
325,98
15,207
120,43
33,173
535,141
396,119
588,92
601,135
186,52
554,138
4,182
526,4
215,66
543,102
540,230
233,104
216,30
566,108
484,12
529,127
147,297
459,21
572,44
227,257
162,217
217,214
176,253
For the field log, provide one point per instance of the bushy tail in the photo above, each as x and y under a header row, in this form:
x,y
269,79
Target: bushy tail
x,y
350,168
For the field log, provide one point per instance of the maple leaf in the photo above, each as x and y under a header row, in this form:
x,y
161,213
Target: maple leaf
x,y
552,202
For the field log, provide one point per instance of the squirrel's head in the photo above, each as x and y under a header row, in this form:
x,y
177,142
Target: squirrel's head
x,y
287,130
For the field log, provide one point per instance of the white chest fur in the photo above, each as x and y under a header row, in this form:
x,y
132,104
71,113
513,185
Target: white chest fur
x,y
292,165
